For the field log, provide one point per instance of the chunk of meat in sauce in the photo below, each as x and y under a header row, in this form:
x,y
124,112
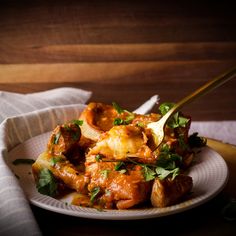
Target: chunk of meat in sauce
x,y
118,189
63,170
63,138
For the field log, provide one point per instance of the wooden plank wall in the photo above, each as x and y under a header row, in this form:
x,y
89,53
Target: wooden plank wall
x,y
123,51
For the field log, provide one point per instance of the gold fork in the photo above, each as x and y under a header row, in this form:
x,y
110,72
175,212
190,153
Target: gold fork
x,y
157,127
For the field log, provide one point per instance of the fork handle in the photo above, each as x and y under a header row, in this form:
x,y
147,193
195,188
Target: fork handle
x,y
206,88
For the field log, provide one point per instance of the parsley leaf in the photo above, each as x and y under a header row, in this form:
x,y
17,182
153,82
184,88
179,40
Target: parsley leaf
x,y
47,184
176,120
118,121
76,134
56,138
148,173
119,165
165,107
77,122
163,173
94,193
182,121
98,157
168,159
54,160
117,108
128,119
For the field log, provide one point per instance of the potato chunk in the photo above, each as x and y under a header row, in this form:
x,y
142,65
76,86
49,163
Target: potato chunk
x,y
168,192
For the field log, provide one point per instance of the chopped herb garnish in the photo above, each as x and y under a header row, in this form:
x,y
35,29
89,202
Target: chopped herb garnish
x,y
47,184
182,122
165,107
76,135
94,193
117,108
56,138
77,122
163,173
164,167
129,118
167,159
176,120
54,160
98,157
148,173
140,124
23,161
118,121
67,128
119,165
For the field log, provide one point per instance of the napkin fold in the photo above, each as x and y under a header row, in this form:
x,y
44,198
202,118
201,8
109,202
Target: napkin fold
x,y
37,113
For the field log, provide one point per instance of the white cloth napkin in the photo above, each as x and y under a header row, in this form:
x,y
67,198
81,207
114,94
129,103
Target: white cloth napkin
x,y
22,117
40,112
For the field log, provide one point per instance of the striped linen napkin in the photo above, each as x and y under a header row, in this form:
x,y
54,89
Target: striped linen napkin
x,y
23,117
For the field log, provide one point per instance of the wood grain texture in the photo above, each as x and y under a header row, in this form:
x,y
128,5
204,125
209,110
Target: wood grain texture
x,y
122,51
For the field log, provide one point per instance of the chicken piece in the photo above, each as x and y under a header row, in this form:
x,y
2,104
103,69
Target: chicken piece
x,y
118,189
121,142
63,138
62,170
168,192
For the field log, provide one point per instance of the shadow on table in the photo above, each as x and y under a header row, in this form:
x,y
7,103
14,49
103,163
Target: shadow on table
x,y
205,219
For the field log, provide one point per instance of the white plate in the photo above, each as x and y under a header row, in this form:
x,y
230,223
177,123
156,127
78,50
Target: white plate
x,y
209,173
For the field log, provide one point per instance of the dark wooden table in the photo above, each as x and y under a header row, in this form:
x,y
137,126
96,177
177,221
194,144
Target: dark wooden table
x,y
124,51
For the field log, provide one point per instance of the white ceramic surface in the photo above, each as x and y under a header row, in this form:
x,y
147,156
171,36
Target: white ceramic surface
x,y
209,173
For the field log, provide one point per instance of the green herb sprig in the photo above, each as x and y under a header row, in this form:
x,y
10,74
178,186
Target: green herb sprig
x,y
128,119
164,167
176,120
47,183
94,194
